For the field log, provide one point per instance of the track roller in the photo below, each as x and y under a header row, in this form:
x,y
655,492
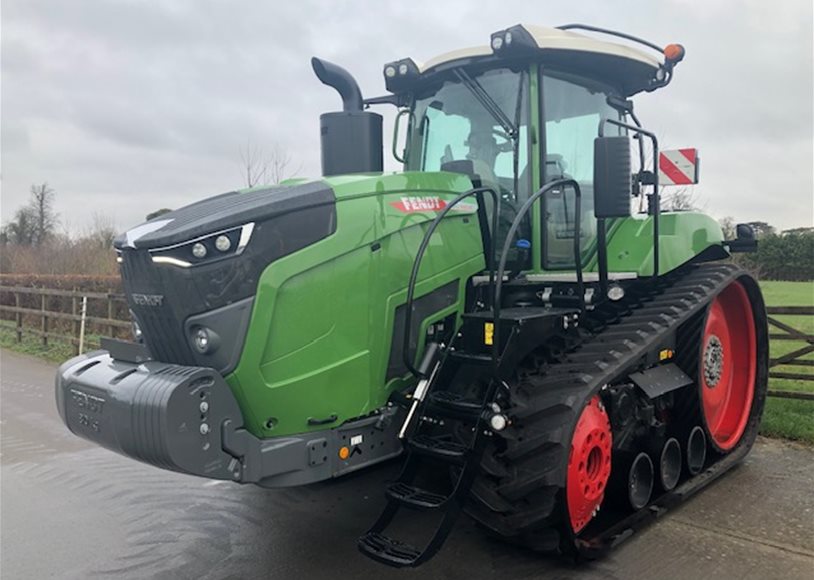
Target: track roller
x,y
670,464
696,450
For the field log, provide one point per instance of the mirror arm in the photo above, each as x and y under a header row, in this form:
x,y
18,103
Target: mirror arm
x,y
399,100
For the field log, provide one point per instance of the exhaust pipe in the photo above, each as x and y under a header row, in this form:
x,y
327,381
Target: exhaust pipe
x,y
670,464
351,139
696,450
335,76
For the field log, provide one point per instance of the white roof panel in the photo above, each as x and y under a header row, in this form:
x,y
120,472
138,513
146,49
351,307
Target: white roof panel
x,y
548,38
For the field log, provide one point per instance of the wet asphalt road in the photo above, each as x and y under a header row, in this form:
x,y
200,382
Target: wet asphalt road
x,y
71,510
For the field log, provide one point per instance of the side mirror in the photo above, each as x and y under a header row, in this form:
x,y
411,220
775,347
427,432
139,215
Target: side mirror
x,y
745,241
612,177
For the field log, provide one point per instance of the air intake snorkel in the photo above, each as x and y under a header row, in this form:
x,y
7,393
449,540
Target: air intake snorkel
x,y
351,139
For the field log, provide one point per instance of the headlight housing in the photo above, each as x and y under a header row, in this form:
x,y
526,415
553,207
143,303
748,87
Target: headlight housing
x,y
205,249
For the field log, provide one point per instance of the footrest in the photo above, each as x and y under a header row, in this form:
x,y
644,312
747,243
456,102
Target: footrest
x,y
455,405
438,448
415,497
388,551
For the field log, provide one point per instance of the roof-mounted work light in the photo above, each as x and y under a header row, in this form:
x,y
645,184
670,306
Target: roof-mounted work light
x,y
399,74
513,41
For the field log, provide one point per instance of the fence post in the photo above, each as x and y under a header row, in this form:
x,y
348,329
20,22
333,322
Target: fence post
x,y
44,320
111,328
18,317
82,324
75,322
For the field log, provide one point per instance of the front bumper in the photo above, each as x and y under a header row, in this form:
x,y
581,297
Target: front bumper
x,y
186,419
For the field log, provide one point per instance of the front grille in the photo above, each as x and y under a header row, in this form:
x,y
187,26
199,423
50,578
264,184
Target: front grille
x,y
161,324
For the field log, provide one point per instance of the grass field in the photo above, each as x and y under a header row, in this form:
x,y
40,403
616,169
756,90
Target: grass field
x,y
786,418
57,351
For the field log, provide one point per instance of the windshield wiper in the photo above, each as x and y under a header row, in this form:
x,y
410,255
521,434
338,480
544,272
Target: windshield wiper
x,y
487,101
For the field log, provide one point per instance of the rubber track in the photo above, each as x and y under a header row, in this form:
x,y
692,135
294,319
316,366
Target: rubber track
x,y
519,493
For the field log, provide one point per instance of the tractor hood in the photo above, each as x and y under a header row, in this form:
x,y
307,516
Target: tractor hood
x,y
198,267
225,211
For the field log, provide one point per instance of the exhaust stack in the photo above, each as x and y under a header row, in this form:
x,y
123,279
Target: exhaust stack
x,y
351,139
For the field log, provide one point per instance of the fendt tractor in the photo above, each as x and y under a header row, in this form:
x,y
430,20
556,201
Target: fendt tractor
x,y
512,314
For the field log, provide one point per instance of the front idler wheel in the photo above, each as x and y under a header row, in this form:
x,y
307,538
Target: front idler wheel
x,y
589,464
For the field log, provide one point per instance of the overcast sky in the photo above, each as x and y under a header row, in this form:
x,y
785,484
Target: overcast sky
x,y
124,107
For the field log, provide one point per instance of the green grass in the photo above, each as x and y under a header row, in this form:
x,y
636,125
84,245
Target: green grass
x,y
788,418
57,351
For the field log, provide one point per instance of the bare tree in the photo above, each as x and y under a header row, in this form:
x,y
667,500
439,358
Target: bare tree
x,y
102,231
259,167
728,227
680,199
280,165
41,207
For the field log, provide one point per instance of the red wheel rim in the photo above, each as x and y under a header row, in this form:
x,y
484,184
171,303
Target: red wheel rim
x,y
728,366
589,464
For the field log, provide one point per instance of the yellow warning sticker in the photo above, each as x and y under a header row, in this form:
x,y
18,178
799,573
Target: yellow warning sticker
x,y
488,333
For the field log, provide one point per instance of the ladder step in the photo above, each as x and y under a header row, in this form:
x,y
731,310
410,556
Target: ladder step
x,y
476,359
455,405
387,550
415,497
438,447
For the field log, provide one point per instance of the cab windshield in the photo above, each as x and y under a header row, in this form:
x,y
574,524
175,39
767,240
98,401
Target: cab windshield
x,y
483,118
450,123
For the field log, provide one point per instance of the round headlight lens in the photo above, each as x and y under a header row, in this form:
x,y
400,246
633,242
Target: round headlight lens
x,y
402,69
223,243
508,38
137,333
199,250
390,72
201,340
497,42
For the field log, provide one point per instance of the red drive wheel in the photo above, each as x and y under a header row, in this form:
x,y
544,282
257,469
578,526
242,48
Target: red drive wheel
x,y
728,367
589,464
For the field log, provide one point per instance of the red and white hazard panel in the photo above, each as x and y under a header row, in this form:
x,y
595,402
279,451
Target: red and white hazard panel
x,y
678,167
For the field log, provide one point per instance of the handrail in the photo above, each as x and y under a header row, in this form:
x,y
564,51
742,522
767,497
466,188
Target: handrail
x,y
422,248
507,244
656,199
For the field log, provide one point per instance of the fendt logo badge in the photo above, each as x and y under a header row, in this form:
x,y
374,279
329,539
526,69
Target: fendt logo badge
x,y
417,204
148,299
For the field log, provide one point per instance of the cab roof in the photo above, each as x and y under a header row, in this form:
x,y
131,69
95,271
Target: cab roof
x,y
630,68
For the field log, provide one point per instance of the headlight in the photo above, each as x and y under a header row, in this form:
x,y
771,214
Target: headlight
x,y
199,250
205,340
206,249
138,335
223,243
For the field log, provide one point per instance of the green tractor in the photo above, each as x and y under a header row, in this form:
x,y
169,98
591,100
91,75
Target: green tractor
x,y
540,357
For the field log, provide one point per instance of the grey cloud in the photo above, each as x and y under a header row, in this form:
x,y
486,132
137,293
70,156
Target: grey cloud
x,y
125,106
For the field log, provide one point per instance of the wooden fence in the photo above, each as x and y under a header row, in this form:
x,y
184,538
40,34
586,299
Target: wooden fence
x,y
78,314
795,357
106,313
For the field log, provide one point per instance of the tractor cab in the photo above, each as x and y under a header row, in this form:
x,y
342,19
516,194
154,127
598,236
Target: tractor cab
x,y
523,112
